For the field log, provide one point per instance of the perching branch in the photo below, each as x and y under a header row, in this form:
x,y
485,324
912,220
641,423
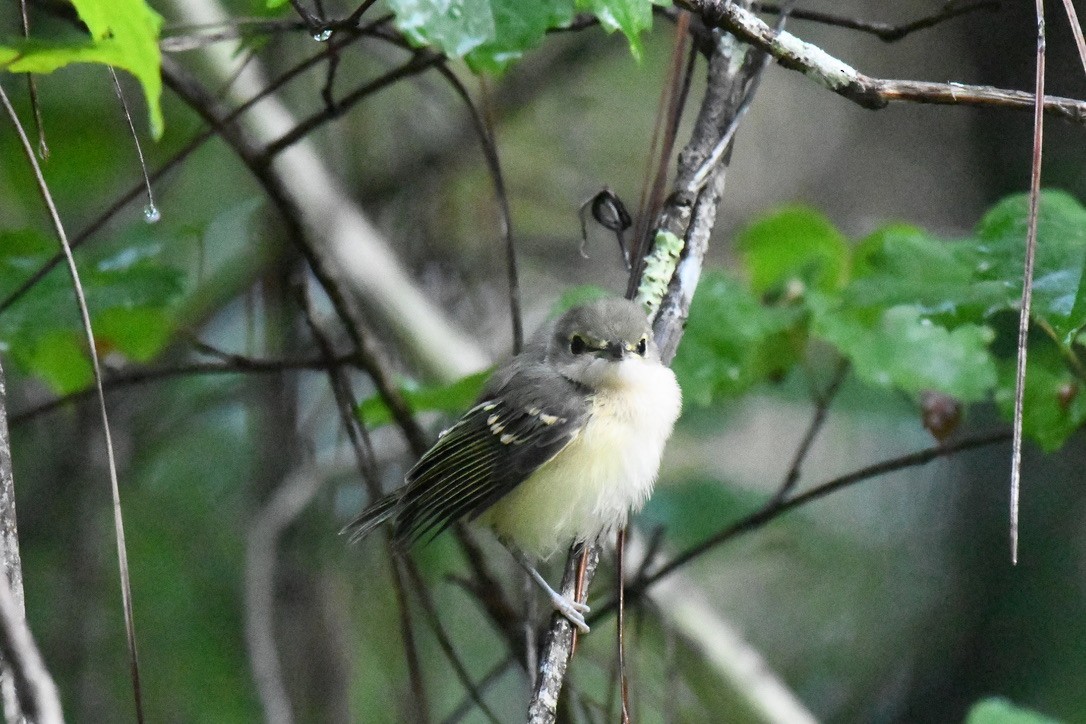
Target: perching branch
x,y
872,93
887,32
667,281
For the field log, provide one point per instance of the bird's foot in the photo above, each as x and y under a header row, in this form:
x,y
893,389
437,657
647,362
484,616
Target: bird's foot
x,y
572,610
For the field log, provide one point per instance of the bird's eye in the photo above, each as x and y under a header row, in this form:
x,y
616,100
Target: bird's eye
x,y
577,345
642,346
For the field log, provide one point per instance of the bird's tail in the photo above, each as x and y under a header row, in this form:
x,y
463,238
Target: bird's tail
x,y
371,518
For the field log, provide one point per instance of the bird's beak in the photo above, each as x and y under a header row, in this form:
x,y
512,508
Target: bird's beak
x,y
614,350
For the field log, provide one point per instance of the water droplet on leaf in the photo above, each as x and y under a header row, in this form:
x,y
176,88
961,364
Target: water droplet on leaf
x,y
322,35
151,214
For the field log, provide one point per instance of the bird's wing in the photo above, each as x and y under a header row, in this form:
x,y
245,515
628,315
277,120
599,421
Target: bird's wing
x,y
517,426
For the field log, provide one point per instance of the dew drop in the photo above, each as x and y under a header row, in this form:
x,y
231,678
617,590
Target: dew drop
x,y
322,35
456,12
151,214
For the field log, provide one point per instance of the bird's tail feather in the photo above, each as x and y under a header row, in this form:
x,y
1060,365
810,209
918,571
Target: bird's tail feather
x,y
371,518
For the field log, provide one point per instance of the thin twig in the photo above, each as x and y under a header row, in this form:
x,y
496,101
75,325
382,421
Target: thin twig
x,y
766,514
467,704
421,61
445,643
118,521
822,407
872,93
1027,279
485,131
365,459
139,376
885,31
150,212
1076,31
624,689
32,89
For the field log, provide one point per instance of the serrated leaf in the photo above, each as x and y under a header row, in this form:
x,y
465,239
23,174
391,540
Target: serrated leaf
x,y
732,341
124,34
997,710
899,348
455,397
1053,404
794,247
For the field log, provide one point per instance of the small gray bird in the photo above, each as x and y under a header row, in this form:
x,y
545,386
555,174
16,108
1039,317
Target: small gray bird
x,y
564,442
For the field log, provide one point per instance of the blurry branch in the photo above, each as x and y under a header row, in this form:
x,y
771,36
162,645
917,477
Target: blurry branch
x,y
38,697
32,89
723,650
261,552
96,367
822,408
346,250
366,461
235,365
774,510
846,81
884,31
484,129
327,273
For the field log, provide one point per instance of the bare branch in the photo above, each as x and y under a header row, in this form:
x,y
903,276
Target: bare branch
x,y
871,93
887,32
761,517
38,694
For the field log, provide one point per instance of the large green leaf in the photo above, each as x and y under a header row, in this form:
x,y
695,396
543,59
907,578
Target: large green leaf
x,y
794,249
733,341
128,292
123,33
490,34
899,348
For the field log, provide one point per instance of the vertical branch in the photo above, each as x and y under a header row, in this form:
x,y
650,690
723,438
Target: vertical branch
x,y
1027,278
118,520
9,549
670,274
32,88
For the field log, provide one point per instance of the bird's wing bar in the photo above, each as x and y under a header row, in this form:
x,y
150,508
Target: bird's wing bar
x,y
493,448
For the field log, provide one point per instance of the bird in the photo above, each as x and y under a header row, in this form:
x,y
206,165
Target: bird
x,y
563,443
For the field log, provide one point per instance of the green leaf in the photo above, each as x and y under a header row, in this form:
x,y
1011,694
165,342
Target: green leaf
x,y
630,16
899,348
1053,404
997,710
59,358
792,250
733,341
139,333
1060,264
489,34
455,397
124,34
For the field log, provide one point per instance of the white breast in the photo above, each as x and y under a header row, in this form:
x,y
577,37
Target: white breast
x,y
589,488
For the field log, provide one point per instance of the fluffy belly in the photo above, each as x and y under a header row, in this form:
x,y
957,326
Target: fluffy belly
x,y
590,487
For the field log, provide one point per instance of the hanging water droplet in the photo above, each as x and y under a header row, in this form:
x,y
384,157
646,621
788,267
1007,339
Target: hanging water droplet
x,y
322,35
151,214
456,12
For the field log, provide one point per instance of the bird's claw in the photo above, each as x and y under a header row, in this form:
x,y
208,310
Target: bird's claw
x,y
572,610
